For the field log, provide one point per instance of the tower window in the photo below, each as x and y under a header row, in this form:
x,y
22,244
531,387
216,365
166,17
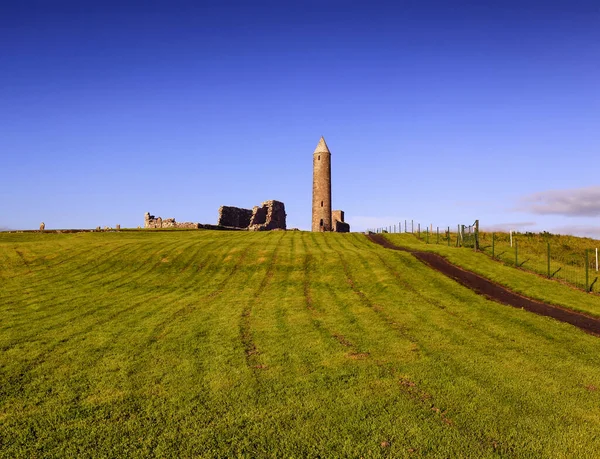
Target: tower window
x,y
321,203
321,224
319,158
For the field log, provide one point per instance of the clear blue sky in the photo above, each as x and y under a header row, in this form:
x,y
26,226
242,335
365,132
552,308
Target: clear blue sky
x,y
438,111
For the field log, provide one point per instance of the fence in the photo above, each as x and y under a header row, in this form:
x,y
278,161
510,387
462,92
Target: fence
x,y
547,256
566,258
465,236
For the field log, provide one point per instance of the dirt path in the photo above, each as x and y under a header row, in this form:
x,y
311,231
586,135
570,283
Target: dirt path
x,y
494,291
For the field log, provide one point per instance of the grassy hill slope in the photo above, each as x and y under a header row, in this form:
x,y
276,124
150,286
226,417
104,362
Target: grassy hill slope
x,y
519,280
275,344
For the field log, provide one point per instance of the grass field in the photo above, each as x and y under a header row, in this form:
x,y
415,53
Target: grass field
x,y
279,344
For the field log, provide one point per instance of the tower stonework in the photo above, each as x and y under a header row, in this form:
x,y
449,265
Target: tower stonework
x,y
321,204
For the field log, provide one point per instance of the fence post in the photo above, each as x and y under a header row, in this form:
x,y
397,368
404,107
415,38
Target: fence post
x,y
587,271
419,231
427,231
548,260
516,254
457,235
448,236
412,226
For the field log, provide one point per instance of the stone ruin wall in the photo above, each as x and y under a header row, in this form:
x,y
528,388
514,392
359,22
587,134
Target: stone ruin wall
x,y
234,217
150,221
269,216
338,223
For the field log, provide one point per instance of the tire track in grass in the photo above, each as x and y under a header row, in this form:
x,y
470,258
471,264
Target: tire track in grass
x,y
112,316
151,267
250,350
422,348
18,383
465,319
69,277
25,262
204,243
99,281
405,384
159,330
314,314
409,287
49,273
90,311
436,304
419,295
106,261
358,351
93,286
496,292
460,370
141,300
147,347
338,337
366,301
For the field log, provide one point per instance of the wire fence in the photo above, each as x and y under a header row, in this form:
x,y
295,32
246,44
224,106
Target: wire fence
x,y
577,266
465,235
564,258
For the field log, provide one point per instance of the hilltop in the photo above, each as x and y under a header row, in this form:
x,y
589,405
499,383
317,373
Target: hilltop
x,y
207,343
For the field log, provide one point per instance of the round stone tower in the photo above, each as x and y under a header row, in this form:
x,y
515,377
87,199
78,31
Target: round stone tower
x,y
321,204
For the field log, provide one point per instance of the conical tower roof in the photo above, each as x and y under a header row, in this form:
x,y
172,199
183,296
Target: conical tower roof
x,y
321,147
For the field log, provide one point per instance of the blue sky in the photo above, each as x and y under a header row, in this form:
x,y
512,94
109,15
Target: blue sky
x,y
441,112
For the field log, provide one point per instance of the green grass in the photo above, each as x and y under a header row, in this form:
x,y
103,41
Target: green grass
x,y
520,280
279,344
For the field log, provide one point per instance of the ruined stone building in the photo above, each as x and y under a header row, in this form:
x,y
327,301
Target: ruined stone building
x,y
234,217
338,223
150,221
269,215
323,218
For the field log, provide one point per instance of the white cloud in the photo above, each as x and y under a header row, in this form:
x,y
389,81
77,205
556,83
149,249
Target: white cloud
x,y
577,202
592,231
506,227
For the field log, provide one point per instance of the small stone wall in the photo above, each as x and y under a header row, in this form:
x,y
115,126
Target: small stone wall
x,y
234,217
338,224
150,221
